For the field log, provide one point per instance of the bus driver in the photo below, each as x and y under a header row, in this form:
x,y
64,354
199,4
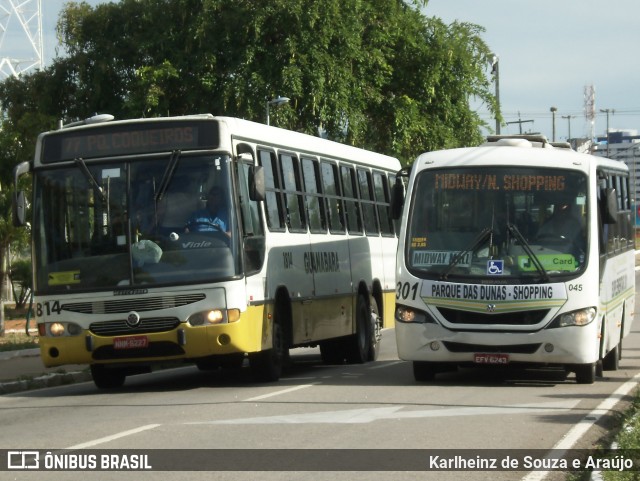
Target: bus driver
x,y
212,218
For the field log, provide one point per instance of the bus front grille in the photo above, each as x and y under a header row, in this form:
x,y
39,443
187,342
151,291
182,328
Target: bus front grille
x,y
523,318
127,305
512,349
146,326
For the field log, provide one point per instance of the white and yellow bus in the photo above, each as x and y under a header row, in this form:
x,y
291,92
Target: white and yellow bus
x,y
516,252
303,255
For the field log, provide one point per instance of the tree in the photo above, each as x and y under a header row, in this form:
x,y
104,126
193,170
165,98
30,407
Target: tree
x,y
21,281
377,74
373,73
11,148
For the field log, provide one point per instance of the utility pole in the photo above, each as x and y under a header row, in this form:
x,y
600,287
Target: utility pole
x,y
495,70
606,111
568,117
519,122
553,123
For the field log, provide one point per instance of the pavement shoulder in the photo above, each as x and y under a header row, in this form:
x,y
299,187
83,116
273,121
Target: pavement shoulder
x,y
23,370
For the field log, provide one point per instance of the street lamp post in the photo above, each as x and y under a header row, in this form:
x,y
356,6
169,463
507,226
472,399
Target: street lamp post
x,y
553,123
276,102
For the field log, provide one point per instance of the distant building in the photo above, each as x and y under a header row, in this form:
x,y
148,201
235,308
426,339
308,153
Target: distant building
x,y
623,145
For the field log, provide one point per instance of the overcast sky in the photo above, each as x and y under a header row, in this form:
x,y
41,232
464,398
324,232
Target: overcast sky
x,y
549,50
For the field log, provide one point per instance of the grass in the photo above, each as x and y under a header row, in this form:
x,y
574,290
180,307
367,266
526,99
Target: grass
x,y
14,341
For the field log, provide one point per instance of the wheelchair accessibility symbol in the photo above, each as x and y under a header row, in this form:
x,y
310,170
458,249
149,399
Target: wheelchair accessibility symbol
x,y
495,268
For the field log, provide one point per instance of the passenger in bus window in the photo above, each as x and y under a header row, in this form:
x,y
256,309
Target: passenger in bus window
x,y
213,218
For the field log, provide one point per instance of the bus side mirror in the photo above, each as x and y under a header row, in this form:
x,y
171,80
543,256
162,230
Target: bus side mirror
x,y
256,183
610,207
19,209
397,199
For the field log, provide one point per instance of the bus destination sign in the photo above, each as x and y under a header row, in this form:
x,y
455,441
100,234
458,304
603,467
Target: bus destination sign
x,y
128,139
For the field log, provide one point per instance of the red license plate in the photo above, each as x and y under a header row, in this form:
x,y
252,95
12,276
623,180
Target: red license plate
x,y
131,342
493,359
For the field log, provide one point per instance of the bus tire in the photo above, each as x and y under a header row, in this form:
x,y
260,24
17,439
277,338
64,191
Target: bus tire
x,y
424,371
375,329
359,344
332,351
266,365
107,378
585,373
611,360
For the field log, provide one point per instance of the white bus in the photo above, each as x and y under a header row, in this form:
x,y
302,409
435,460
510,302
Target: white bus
x,y
302,252
516,252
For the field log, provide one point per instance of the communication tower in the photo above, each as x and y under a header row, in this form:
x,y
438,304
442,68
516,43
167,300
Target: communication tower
x,y
590,107
21,44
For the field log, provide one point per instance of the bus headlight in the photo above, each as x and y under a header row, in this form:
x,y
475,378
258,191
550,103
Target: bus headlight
x,y
214,316
59,329
581,317
409,315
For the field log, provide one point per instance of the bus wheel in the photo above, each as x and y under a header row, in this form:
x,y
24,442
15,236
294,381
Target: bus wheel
x,y
266,365
360,342
611,360
107,378
424,371
585,373
375,329
332,351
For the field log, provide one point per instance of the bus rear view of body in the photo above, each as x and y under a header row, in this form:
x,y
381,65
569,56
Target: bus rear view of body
x,y
516,252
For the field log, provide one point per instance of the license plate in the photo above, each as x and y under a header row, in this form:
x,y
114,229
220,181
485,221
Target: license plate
x,y
494,359
131,342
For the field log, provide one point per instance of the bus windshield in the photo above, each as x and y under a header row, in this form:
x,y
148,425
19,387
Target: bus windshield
x,y
120,224
498,222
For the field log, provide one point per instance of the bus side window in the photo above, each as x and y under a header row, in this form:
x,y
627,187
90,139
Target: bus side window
x,y
354,221
366,199
273,202
331,190
315,210
381,191
292,192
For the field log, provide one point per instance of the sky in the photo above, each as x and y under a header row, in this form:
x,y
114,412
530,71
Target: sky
x,y
549,51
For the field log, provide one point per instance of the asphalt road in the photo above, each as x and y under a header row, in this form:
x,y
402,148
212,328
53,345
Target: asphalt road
x,y
376,406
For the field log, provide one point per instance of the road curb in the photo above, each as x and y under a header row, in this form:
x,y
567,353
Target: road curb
x,y
46,380
27,383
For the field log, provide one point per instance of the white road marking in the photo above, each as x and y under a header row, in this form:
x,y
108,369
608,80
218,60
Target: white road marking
x,y
367,415
579,430
113,437
283,391
388,364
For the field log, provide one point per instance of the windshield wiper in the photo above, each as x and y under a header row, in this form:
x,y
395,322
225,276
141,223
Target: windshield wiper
x,y
527,248
168,175
477,242
92,180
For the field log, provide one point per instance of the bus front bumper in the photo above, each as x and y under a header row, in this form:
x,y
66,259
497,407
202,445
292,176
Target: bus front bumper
x,y
186,342
434,343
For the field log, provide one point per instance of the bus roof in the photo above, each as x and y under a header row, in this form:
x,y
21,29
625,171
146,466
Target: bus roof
x,y
254,132
516,150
